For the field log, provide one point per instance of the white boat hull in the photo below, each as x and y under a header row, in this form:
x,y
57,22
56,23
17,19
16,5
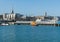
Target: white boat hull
x,y
4,24
46,22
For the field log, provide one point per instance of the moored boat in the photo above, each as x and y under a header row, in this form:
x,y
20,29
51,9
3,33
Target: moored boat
x,y
47,21
4,24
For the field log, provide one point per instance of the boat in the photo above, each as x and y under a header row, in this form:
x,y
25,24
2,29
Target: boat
x,y
33,23
47,21
4,24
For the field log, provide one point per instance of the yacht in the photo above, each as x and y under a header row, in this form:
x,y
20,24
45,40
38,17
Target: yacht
x,y
47,21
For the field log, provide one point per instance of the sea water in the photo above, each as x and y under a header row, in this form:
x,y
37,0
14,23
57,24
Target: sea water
x,y
27,33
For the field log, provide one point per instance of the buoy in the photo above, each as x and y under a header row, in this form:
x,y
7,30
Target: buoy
x,y
33,23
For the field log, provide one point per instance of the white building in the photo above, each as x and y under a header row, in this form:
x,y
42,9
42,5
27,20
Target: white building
x,y
9,16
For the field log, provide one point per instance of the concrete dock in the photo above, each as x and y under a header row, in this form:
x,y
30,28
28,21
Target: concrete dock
x,y
29,23
23,22
49,24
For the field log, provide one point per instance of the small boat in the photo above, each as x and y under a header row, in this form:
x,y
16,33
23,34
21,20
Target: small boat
x,y
4,24
33,23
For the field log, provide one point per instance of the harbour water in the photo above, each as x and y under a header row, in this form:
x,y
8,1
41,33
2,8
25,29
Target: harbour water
x,y
27,33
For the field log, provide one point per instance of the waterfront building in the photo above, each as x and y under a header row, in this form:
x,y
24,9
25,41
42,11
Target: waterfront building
x,y
30,18
9,16
18,17
40,17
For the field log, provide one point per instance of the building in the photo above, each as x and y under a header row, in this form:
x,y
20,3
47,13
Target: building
x,y
12,16
40,17
9,16
30,18
18,17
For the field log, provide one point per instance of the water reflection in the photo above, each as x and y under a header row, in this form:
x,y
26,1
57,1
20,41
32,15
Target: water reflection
x,y
8,33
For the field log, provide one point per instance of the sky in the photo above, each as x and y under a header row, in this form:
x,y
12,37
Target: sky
x,y
31,7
